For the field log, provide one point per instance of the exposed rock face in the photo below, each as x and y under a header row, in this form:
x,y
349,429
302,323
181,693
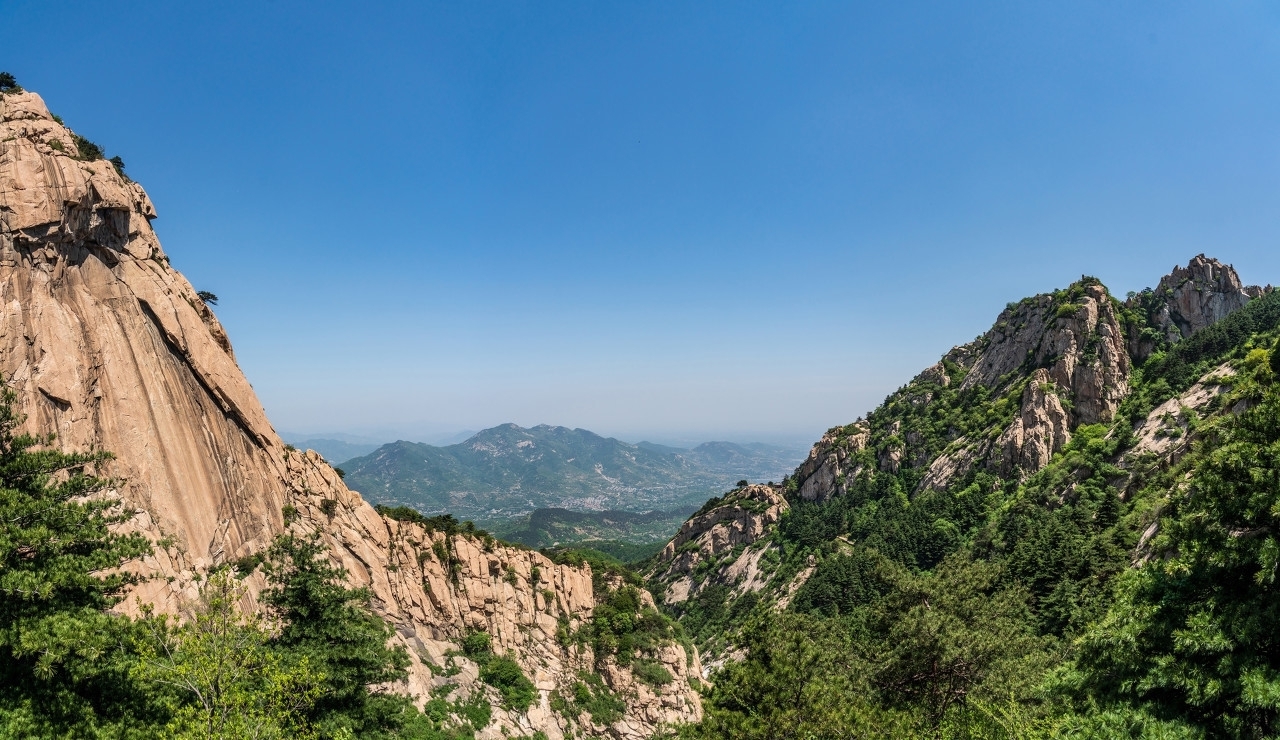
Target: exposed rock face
x,y
828,463
1198,295
1166,432
741,519
1080,343
1040,430
111,348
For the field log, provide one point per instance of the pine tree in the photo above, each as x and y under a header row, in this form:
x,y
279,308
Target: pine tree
x,y
331,626
61,652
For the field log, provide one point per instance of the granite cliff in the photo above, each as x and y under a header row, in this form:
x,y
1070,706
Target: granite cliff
x,y
112,349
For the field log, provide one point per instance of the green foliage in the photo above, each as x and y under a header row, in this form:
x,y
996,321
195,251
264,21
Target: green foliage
x,y
955,634
505,675
651,672
87,150
589,694
710,613
1192,635
802,678
330,625
208,298
500,672
445,523
8,84
945,654
622,626
842,583
225,679
63,666
477,645
1065,549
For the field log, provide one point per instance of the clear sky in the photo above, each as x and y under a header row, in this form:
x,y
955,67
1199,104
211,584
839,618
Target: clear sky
x,y
677,220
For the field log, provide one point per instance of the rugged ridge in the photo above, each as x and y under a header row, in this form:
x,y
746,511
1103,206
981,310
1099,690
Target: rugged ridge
x,y
111,348
991,413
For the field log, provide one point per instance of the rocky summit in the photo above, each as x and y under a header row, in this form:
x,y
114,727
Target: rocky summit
x,y
109,347
997,410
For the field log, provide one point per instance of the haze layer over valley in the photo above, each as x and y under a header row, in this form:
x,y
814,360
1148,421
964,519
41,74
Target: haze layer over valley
x,y
509,471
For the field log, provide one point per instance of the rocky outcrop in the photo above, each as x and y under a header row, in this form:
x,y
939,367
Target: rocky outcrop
x,y
1041,429
1198,295
823,473
1166,432
1185,301
1076,336
111,348
739,520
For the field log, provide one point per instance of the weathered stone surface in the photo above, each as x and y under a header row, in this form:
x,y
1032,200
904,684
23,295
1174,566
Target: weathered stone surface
x,y
1084,351
1041,429
111,348
741,519
828,464
1200,294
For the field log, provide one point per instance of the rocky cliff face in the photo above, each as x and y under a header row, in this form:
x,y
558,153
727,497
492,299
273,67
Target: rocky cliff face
x,y
832,461
739,520
1186,301
110,347
1000,406
1041,429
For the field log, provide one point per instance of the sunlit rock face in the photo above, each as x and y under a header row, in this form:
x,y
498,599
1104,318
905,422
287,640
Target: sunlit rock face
x,y
111,348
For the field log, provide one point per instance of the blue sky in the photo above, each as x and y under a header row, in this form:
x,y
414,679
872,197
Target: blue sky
x,y
678,221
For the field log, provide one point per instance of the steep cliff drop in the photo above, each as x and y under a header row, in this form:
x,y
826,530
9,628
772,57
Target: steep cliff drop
x,y
111,348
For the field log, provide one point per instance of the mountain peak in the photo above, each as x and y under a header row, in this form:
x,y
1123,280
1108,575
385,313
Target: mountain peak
x,y
1187,300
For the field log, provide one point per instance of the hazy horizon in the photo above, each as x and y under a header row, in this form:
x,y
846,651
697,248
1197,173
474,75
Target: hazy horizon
x,y
660,221
439,438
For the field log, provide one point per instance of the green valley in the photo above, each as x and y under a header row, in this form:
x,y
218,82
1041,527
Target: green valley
x,y
509,471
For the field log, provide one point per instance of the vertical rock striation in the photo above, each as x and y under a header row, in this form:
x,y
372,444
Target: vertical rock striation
x,y
111,348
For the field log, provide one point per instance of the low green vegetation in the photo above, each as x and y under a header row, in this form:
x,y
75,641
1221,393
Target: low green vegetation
x,y
1111,594
627,536
501,672
623,627
310,667
588,694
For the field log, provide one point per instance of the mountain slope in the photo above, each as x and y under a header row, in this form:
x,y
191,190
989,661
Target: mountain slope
x,y
507,471
923,472
1045,507
109,347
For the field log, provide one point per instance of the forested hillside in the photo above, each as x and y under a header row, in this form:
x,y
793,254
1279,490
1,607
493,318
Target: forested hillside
x,y
508,471
1064,529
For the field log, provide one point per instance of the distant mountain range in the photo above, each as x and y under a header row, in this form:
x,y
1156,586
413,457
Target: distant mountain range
x,y
334,450
626,535
509,471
